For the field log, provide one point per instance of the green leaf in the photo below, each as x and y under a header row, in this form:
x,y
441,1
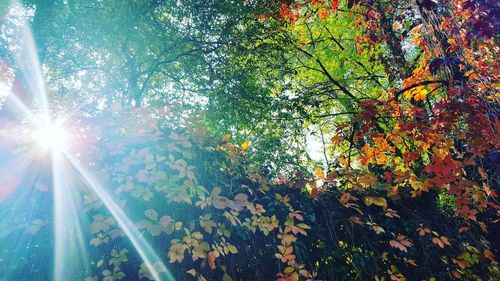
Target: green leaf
x,y
226,277
151,214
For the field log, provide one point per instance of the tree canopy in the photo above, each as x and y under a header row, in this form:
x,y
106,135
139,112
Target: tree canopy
x,y
258,140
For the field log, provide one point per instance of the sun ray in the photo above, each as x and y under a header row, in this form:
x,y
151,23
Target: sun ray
x,y
21,203
34,70
16,108
14,171
69,246
153,262
69,250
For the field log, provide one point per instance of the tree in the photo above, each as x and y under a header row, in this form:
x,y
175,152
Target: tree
x,y
401,94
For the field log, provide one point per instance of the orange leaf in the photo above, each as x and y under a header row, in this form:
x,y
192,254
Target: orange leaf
x,y
423,230
441,241
438,242
292,277
319,172
400,243
211,260
345,198
489,255
463,229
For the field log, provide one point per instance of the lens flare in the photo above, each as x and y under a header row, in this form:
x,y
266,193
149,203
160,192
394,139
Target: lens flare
x,y
51,137
70,255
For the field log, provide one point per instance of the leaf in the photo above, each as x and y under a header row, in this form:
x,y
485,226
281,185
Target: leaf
x,y
378,201
483,173
293,277
144,271
335,5
240,197
285,254
377,228
178,225
319,173
165,220
296,215
232,249
314,192
400,243
192,272
119,275
288,239
245,145
151,214
441,241
211,260
226,277
345,198
489,255
367,180
176,252
410,261
154,229
216,191
391,213
463,229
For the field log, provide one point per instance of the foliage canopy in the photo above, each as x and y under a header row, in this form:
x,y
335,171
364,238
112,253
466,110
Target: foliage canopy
x,y
206,112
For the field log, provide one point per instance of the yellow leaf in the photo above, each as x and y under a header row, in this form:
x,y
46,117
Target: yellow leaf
x,y
319,172
421,95
232,249
293,277
417,40
245,145
377,201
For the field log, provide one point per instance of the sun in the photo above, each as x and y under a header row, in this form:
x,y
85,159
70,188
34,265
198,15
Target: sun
x,y
51,137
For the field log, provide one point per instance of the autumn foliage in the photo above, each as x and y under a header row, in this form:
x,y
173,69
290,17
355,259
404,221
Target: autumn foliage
x,y
242,225
412,198
408,190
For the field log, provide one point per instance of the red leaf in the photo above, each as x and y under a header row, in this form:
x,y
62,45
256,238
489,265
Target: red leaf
x,y
314,192
335,5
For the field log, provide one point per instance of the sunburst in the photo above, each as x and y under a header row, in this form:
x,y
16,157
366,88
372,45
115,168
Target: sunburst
x,y
53,138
